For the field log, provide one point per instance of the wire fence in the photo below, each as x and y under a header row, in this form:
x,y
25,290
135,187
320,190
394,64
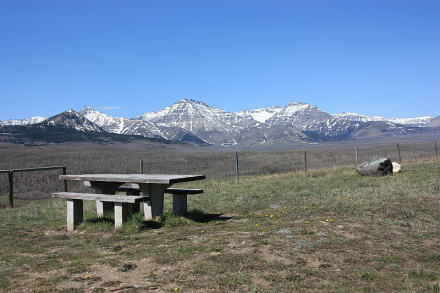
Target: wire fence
x,y
38,181
213,164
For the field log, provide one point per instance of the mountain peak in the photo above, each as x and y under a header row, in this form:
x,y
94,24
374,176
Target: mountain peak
x,y
298,115
72,119
196,116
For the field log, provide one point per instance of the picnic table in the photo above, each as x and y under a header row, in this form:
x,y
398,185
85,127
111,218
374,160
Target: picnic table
x,y
152,187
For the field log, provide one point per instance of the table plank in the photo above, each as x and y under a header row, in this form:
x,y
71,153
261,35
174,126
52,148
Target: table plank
x,y
135,178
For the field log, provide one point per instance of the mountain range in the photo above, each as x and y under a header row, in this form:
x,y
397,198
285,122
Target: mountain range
x,y
195,122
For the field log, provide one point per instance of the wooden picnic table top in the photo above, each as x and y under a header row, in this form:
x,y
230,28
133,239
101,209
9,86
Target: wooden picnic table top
x,y
135,178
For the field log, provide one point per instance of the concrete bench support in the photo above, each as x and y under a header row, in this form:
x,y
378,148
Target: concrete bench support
x,y
74,213
103,188
180,199
136,207
180,204
122,206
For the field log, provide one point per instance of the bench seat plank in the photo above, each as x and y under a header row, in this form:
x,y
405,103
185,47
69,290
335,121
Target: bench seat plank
x,y
100,197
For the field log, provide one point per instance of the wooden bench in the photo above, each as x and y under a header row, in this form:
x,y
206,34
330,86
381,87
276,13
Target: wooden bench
x,y
122,205
180,198
180,201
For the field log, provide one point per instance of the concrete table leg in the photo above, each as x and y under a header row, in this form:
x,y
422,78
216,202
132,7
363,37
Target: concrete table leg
x,y
154,206
148,215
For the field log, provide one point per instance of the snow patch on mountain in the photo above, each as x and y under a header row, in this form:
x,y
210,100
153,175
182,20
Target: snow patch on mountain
x,y
358,117
419,121
27,121
260,114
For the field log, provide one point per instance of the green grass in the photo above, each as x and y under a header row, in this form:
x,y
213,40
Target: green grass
x,y
325,231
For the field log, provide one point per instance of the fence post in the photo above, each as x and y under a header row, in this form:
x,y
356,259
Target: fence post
x,y
398,150
236,165
141,167
65,181
356,152
436,151
11,188
305,161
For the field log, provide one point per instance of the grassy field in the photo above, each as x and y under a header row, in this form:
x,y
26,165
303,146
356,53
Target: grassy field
x,y
325,231
212,162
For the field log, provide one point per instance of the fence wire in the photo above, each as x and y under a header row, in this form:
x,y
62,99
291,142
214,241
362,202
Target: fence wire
x,y
213,164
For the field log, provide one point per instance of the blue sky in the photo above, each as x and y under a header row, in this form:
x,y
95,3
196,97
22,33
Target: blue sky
x,y
128,57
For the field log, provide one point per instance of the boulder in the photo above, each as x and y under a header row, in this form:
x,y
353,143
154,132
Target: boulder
x,y
381,167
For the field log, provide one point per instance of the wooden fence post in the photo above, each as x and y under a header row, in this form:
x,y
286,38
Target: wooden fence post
x,y
11,188
236,165
305,161
65,181
356,152
398,151
436,151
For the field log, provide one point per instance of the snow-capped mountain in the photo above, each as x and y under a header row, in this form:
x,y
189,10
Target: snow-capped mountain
x,y
109,123
342,129
298,115
196,116
121,125
195,122
418,122
72,119
27,121
358,117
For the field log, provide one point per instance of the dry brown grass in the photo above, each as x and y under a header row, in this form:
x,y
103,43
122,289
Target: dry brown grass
x,y
214,164
326,231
